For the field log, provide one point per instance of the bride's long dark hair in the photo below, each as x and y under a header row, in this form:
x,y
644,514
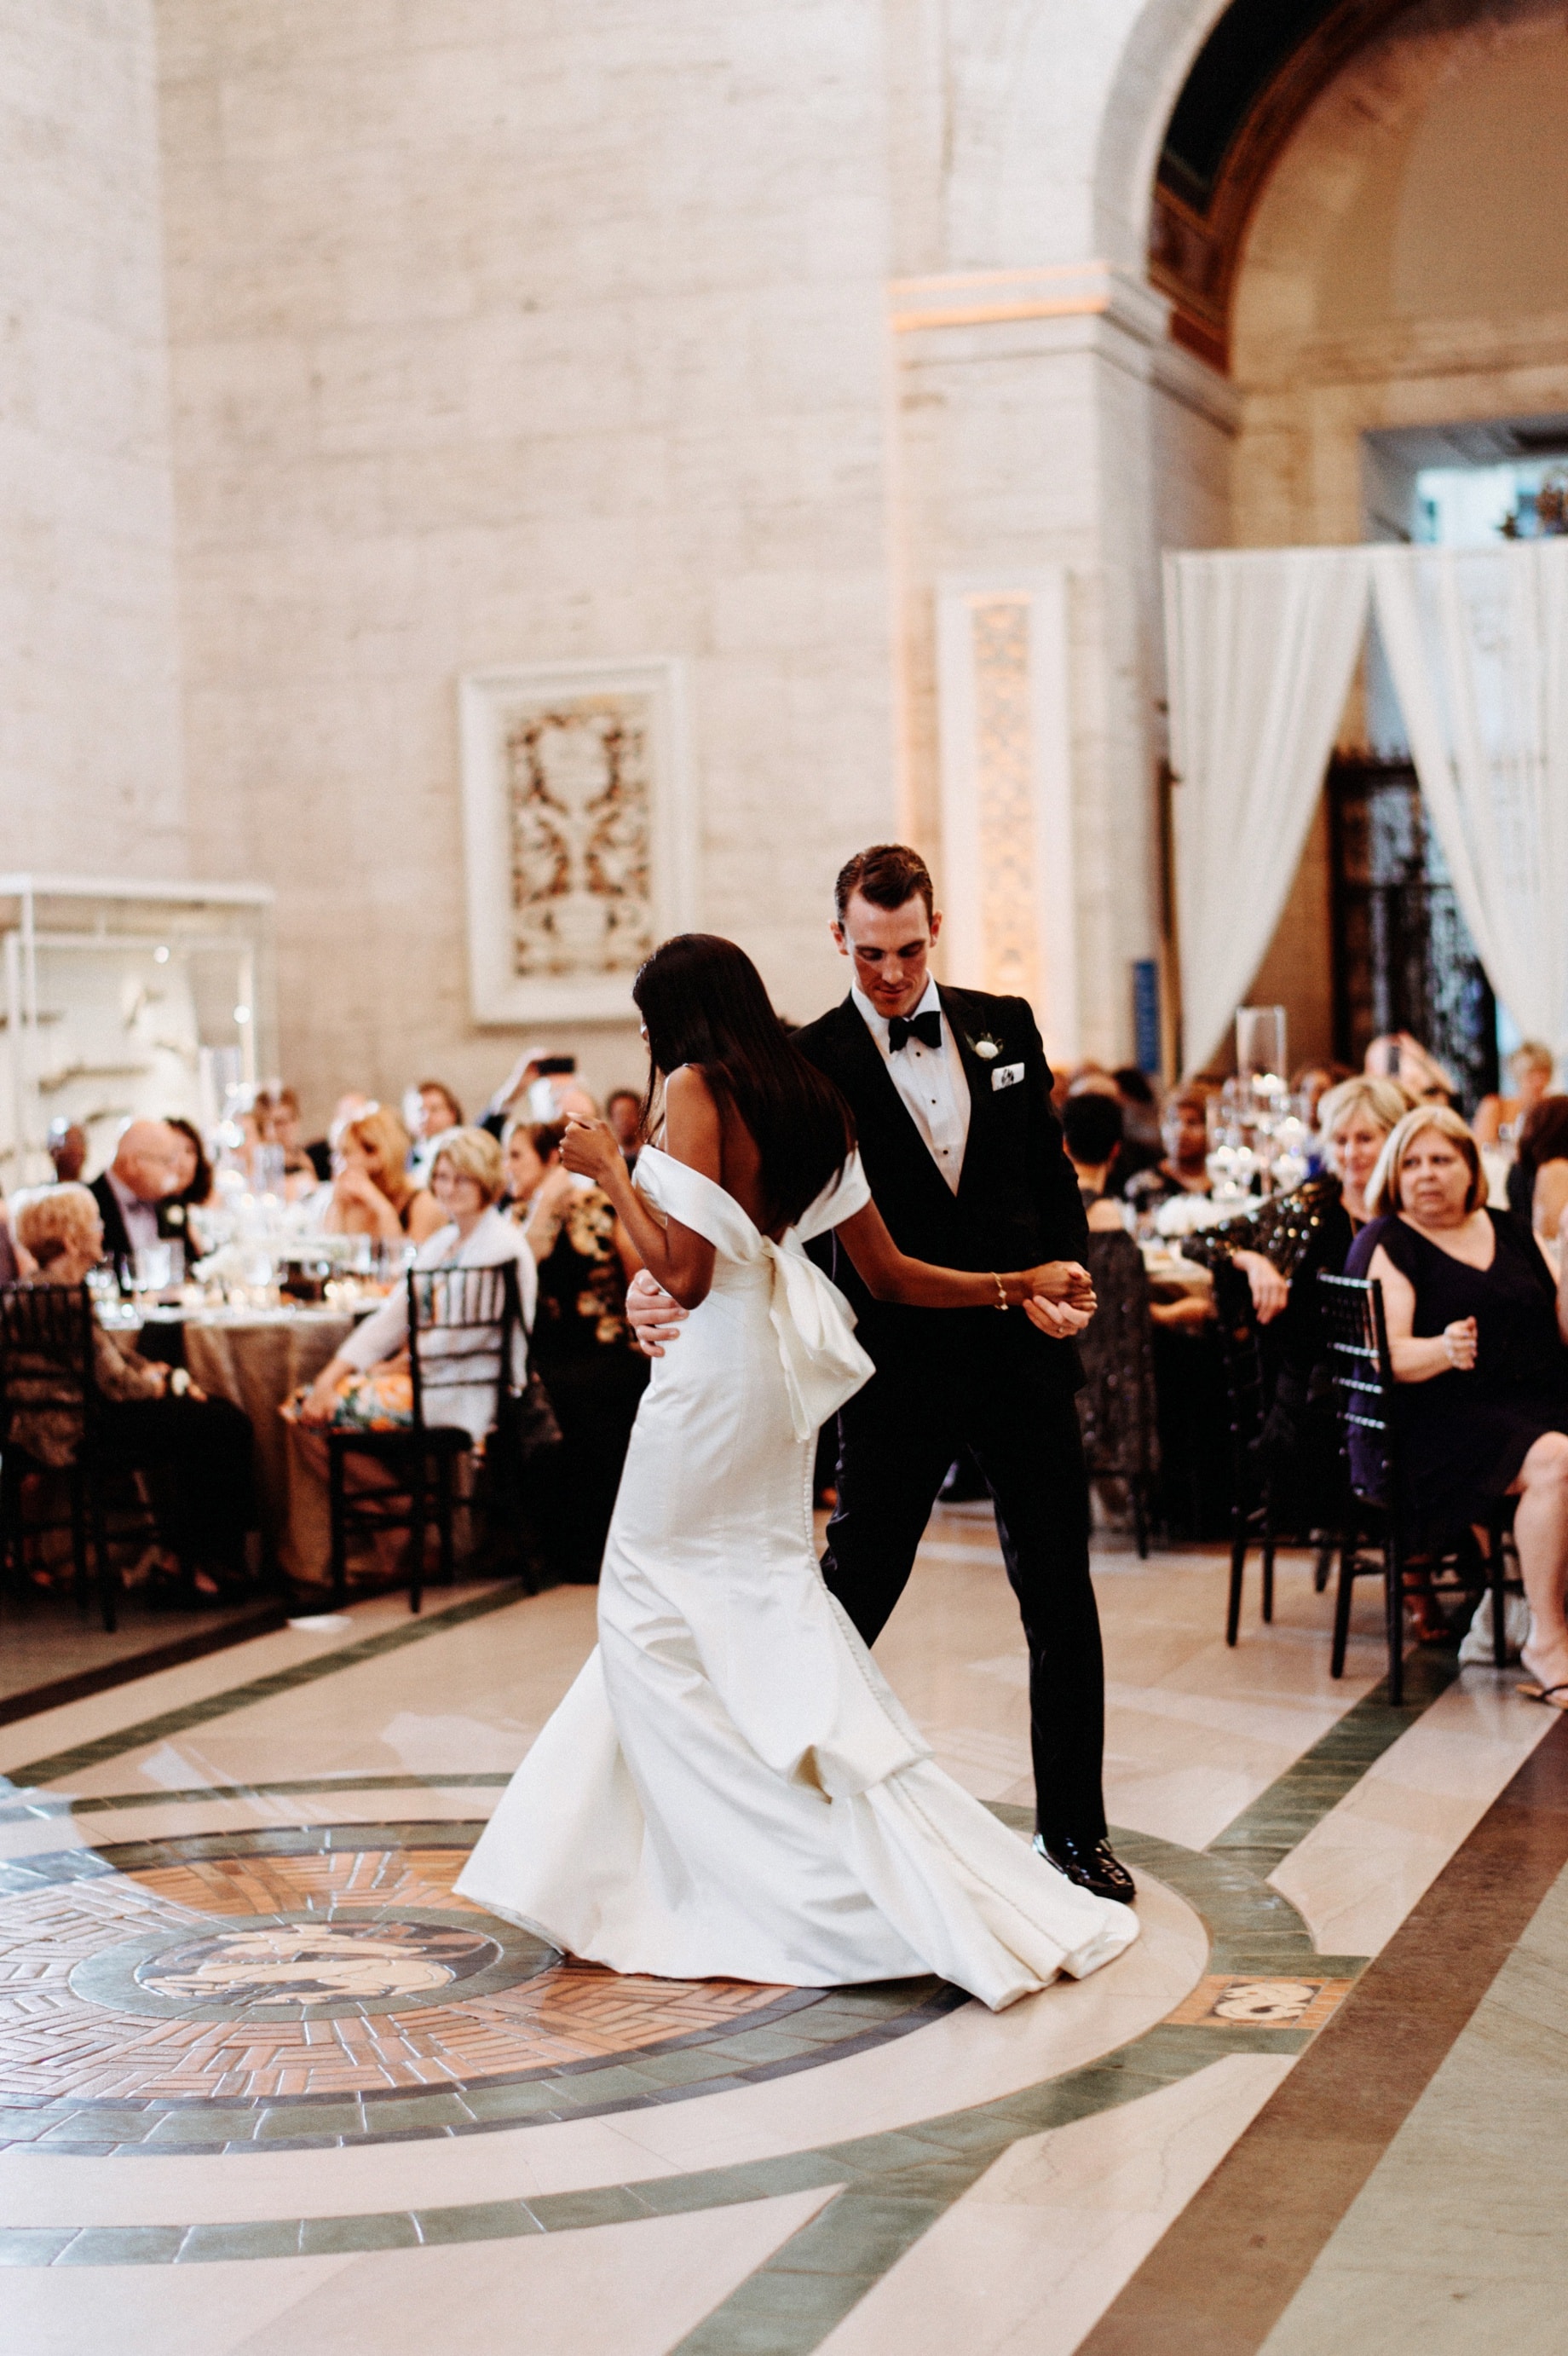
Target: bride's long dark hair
x,y
702,1001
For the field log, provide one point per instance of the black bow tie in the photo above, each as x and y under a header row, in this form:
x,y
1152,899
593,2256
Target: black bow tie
x,y
926,1028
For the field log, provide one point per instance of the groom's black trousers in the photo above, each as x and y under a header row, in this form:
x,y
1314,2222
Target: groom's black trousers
x,y
896,1439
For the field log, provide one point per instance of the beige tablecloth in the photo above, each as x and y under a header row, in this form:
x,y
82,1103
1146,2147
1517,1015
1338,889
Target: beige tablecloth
x,y
259,1365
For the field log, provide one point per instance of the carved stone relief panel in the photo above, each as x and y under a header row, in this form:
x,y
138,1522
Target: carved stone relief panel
x,y
579,834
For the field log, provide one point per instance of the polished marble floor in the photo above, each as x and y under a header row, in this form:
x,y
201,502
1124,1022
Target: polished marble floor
x,y
266,2082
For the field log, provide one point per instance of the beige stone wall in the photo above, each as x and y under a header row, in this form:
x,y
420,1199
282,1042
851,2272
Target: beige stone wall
x,y
1408,263
89,750
507,334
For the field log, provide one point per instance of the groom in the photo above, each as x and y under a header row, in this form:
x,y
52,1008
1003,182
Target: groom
x,y
951,1094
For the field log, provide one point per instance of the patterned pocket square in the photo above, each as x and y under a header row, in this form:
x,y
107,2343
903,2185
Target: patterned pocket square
x,y
1006,1075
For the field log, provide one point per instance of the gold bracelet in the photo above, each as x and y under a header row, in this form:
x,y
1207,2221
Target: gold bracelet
x,y
1001,1290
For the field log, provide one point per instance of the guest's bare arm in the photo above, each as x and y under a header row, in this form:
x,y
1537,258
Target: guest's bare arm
x,y
1417,1359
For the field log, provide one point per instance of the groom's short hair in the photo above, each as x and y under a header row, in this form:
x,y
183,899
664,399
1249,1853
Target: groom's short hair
x,y
888,874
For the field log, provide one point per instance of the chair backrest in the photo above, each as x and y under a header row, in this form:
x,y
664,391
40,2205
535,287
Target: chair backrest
x,y
1116,1408
46,1352
1241,1352
461,1325
1356,1335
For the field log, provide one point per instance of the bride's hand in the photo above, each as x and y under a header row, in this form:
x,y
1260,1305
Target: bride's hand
x,y
590,1151
1063,1281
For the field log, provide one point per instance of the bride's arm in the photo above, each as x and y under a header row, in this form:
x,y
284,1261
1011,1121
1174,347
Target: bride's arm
x,y
676,1256
890,1274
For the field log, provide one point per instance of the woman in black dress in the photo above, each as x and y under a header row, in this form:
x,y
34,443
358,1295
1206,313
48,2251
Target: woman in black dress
x,y
1478,1331
581,1347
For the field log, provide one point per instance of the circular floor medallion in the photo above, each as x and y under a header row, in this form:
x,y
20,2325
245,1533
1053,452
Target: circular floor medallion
x,y
309,1967
327,1984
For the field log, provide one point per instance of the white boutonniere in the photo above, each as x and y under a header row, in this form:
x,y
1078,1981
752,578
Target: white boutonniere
x,y
986,1047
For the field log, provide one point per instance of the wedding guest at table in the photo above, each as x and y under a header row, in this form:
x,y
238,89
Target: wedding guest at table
x,y
623,1111
144,1171
67,1145
438,1110
1538,1182
1529,1067
372,1192
1397,1057
196,1451
280,1112
583,1350
179,1211
1477,1330
321,1150
467,1182
1092,1131
1184,1166
1142,1145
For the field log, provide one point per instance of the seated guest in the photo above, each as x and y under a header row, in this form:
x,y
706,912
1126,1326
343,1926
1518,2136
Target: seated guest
x,y
1141,1140
1538,1183
468,1183
1091,1129
1397,1057
583,1351
439,1110
1184,1170
145,1169
1476,1333
67,1145
197,1449
192,1190
623,1111
1529,1067
280,1111
321,1150
373,1193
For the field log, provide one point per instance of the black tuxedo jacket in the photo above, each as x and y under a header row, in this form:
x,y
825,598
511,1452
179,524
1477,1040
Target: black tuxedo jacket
x,y
1017,1201
116,1242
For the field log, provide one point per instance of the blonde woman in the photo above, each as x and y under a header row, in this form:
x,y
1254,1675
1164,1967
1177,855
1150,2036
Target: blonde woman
x,y
372,1193
1476,1335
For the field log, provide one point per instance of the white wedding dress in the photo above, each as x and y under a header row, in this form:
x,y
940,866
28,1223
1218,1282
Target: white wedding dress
x,y
731,1789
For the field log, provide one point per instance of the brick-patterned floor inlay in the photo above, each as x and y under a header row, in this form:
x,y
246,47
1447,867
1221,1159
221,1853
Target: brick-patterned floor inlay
x,y
288,1968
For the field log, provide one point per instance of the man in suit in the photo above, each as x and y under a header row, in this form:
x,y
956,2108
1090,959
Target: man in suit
x,y
144,1169
951,1094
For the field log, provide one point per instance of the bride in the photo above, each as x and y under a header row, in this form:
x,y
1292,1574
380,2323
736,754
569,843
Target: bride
x,y
731,1788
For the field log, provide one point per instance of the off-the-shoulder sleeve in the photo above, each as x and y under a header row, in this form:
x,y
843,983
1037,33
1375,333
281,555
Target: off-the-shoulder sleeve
x,y
846,1192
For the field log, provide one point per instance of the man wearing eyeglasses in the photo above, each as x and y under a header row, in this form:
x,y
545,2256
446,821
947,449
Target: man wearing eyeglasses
x,y
951,1094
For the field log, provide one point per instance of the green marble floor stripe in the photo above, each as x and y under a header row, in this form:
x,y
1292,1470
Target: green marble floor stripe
x,y
82,1756
66,1804
1280,1819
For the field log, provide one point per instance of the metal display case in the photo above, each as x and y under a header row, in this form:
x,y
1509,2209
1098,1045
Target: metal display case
x,y
126,999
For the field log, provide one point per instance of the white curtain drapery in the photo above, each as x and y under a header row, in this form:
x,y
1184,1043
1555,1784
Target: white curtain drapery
x,y
1476,641
1262,645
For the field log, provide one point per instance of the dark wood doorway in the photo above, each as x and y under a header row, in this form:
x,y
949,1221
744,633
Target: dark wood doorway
x,y
1403,960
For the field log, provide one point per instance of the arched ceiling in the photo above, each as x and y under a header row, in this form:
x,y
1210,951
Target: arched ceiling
x,y
1250,83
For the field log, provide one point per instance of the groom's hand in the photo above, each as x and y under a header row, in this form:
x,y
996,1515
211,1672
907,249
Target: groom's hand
x,y
654,1315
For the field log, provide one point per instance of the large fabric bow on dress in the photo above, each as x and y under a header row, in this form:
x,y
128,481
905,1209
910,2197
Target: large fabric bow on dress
x,y
823,1362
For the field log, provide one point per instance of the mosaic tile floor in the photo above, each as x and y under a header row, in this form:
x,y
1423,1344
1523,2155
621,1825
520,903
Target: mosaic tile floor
x,y
250,2036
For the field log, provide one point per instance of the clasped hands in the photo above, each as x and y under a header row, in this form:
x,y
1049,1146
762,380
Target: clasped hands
x,y
1062,1304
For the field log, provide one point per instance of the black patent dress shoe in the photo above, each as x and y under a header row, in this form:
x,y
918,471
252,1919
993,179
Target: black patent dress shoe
x,y
1090,1865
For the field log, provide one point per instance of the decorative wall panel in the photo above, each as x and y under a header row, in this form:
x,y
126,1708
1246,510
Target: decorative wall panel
x,y
580,840
1007,820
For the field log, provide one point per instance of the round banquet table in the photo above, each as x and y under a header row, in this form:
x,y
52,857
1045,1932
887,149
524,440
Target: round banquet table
x,y
258,1358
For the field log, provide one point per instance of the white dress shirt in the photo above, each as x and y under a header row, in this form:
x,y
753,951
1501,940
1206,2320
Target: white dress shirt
x,y
930,1081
